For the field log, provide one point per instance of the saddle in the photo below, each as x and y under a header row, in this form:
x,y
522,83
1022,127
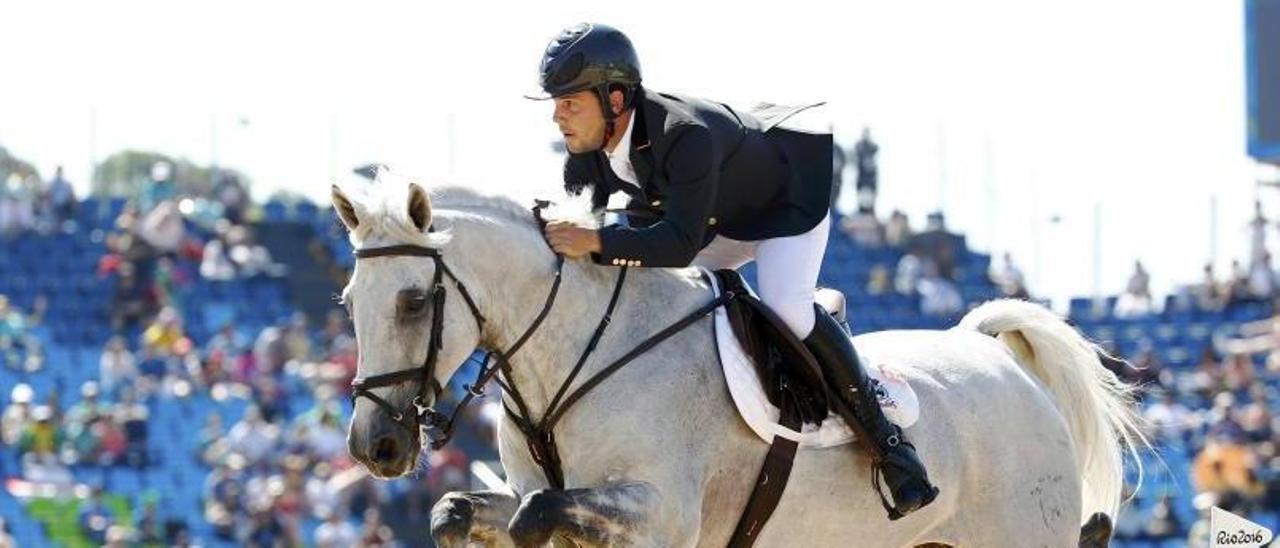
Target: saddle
x,y
788,372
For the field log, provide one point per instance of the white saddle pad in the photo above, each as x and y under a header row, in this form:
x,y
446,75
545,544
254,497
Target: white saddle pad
x,y
897,399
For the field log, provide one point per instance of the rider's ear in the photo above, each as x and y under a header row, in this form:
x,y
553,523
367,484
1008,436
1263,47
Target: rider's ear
x,y
617,101
419,207
342,205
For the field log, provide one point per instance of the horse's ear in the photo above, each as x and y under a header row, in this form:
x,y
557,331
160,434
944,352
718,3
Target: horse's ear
x,y
343,207
419,207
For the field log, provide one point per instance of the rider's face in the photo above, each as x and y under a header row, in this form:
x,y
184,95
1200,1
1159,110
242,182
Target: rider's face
x,y
580,120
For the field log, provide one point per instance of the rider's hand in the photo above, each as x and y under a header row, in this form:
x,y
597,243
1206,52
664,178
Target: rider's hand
x,y
571,240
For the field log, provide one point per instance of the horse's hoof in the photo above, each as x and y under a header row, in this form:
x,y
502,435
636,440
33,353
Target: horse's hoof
x,y
534,523
1096,533
451,520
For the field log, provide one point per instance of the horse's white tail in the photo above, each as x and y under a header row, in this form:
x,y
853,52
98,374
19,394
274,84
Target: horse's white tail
x,y
1099,407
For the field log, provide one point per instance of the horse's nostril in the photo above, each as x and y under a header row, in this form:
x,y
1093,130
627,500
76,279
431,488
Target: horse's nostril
x,y
386,450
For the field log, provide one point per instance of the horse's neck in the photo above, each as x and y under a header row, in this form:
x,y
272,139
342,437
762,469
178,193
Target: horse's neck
x,y
517,277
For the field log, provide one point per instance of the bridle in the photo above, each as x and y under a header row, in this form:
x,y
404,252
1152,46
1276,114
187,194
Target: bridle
x,y
537,433
421,414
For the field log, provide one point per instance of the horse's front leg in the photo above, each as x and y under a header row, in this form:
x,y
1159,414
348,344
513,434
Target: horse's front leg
x,y
617,514
461,518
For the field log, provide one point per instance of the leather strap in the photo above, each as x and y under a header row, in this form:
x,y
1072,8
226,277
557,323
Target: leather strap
x,y
770,485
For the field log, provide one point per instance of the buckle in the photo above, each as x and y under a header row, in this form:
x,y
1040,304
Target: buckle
x,y
893,440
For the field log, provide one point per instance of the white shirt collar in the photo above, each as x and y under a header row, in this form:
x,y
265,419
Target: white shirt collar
x,y
624,145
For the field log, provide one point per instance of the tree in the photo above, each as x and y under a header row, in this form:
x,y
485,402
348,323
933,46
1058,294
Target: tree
x,y
10,164
124,173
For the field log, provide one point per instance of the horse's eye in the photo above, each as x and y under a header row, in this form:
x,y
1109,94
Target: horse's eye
x,y
415,305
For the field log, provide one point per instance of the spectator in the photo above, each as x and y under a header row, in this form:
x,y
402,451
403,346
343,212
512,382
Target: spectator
x,y
1168,419
16,205
271,350
162,228
215,263
168,280
17,415
159,187
62,198
878,280
1136,300
335,332
864,153
227,341
1164,524
297,338
253,437
939,296
249,258
449,470
907,278
864,229
112,445
224,496
1209,294
116,367
6,540
1257,236
335,532
322,494
321,433
13,327
131,302
230,193
95,518
119,536
88,408
1010,279
266,530
132,417
1262,279
897,231
1238,286
39,448
376,534
938,245
1207,378
163,334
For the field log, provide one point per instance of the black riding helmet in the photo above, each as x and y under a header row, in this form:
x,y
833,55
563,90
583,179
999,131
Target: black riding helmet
x,y
590,56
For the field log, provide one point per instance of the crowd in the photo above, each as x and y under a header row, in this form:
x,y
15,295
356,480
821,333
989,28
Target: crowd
x,y
275,470
29,204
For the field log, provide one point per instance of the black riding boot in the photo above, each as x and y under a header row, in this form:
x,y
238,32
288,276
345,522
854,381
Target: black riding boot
x,y
903,472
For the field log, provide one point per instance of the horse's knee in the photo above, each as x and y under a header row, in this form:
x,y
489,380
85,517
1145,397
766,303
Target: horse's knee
x,y
538,517
451,519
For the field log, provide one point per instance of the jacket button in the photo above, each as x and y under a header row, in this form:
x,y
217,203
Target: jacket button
x,y
711,221
656,203
617,262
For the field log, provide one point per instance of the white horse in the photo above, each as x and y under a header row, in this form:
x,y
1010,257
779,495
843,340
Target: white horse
x,y
1021,427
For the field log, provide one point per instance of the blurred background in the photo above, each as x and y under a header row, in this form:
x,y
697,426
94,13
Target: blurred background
x,y
174,370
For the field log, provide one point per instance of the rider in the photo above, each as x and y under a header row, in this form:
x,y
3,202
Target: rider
x,y
713,187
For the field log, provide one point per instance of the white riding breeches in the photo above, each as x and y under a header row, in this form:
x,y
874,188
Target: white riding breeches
x,y
786,270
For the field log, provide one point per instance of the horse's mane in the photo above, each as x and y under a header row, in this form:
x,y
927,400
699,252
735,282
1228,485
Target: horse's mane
x,y
383,210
